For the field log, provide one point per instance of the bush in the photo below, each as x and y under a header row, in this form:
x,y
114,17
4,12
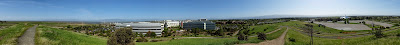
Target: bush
x,y
123,36
151,34
265,29
242,37
396,25
262,36
142,39
398,34
155,40
292,40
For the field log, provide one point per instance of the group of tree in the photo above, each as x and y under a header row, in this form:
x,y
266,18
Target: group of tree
x,y
195,31
3,21
92,29
151,34
167,32
243,34
261,36
141,38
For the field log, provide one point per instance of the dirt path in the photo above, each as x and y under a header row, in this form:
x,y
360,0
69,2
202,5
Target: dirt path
x,y
234,34
28,38
278,41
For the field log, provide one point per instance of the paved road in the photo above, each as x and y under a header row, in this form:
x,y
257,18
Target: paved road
x,y
29,37
278,41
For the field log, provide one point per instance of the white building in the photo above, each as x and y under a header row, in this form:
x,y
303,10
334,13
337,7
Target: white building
x,y
143,27
171,23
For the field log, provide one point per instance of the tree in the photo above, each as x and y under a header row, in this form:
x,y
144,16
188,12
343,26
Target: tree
x,y
68,26
141,39
123,36
242,37
378,32
261,36
265,29
219,32
195,31
312,22
363,22
396,25
151,34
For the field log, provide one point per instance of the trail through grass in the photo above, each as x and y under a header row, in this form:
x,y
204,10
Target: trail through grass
x,y
9,36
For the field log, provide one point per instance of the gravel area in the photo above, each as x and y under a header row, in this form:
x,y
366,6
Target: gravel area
x,y
346,27
374,22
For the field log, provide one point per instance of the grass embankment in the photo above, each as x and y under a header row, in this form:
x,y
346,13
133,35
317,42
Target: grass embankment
x,y
301,39
11,34
275,34
53,36
260,28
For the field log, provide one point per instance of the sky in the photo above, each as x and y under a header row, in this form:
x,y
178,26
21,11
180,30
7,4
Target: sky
x,y
187,9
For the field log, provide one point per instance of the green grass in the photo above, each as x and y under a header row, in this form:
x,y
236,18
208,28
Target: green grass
x,y
53,36
302,39
260,28
11,34
275,34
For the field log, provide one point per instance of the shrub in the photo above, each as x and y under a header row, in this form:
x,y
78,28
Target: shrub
x,y
292,40
396,25
398,34
123,36
142,39
265,29
242,37
378,33
262,36
151,34
155,40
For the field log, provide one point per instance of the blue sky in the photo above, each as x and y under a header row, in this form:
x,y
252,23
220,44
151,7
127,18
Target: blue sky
x,y
187,9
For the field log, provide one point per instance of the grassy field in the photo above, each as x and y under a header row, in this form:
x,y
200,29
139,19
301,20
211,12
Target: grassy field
x,y
260,28
53,36
11,34
301,39
275,34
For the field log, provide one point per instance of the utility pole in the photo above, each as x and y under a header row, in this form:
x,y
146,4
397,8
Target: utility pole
x,y
310,28
312,42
